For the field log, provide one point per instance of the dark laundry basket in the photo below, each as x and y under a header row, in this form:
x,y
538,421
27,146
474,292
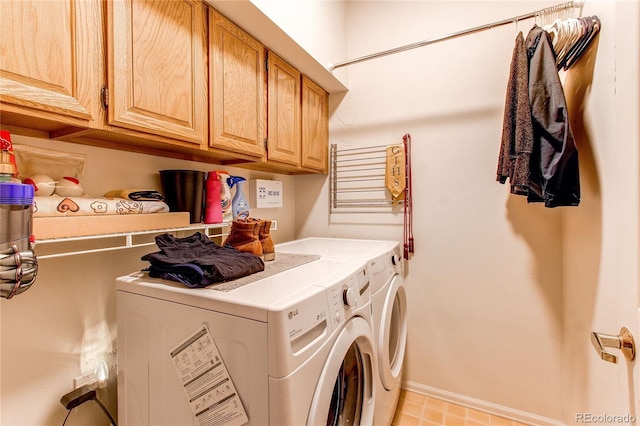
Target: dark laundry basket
x,y
182,190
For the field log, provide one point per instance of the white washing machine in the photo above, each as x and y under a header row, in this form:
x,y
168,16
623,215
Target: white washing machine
x,y
298,348
388,304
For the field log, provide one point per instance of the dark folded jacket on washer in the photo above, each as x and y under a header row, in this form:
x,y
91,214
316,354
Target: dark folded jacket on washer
x,y
197,261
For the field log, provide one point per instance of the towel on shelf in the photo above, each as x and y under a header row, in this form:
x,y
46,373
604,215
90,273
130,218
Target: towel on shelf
x,y
85,206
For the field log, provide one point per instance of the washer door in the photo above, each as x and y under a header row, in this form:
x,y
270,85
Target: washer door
x,y
392,338
344,393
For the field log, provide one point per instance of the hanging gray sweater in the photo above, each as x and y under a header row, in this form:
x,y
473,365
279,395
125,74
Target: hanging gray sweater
x,y
517,130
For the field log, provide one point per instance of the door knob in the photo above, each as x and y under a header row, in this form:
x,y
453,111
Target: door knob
x,y
624,341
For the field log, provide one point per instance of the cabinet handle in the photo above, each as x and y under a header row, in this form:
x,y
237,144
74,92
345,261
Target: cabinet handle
x,y
105,97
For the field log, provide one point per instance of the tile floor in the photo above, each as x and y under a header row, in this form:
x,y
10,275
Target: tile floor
x,y
415,409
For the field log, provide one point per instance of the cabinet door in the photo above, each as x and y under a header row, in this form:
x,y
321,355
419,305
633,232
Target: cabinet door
x,y
315,126
50,58
283,130
237,88
156,67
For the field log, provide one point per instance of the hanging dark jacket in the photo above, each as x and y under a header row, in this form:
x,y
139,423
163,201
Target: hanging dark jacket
x,y
517,129
554,177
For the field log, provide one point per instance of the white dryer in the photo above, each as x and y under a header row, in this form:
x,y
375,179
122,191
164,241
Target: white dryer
x,y
388,304
298,346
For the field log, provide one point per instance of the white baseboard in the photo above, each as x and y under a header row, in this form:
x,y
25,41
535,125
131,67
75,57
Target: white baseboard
x,y
477,404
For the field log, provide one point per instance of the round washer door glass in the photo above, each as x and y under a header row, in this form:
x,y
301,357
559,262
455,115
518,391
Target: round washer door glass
x,y
344,391
346,400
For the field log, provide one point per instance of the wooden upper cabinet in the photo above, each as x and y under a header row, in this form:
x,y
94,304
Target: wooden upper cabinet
x,y
283,106
236,88
143,75
315,126
50,59
156,67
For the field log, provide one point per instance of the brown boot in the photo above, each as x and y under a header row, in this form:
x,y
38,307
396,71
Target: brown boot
x,y
265,240
243,236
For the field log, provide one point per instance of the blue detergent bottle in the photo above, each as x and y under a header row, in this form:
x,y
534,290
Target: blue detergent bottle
x,y
239,204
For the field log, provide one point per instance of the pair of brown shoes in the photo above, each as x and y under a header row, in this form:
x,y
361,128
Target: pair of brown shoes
x,y
252,236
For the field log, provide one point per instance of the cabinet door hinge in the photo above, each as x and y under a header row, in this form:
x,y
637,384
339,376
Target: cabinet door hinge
x,y
266,144
105,97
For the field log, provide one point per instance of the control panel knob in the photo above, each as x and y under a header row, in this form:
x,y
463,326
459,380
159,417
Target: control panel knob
x,y
349,297
395,259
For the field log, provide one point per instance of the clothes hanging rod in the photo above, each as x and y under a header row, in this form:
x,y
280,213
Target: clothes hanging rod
x,y
563,6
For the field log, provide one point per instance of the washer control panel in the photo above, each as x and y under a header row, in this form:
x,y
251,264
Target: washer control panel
x,y
385,266
348,296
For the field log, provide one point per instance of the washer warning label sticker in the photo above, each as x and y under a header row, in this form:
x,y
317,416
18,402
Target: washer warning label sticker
x,y
206,381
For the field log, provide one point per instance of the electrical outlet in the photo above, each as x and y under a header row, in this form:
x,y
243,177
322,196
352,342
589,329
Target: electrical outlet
x,y
274,225
78,396
85,379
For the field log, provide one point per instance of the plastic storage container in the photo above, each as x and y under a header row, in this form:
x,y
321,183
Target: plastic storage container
x,y
225,196
19,264
212,203
239,205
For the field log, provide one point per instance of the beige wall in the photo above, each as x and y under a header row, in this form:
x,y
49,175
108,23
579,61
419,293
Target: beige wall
x,y
502,294
318,26
485,284
601,240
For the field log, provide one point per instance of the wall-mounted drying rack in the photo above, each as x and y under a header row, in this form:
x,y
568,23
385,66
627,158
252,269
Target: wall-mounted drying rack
x,y
549,10
374,179
357,181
